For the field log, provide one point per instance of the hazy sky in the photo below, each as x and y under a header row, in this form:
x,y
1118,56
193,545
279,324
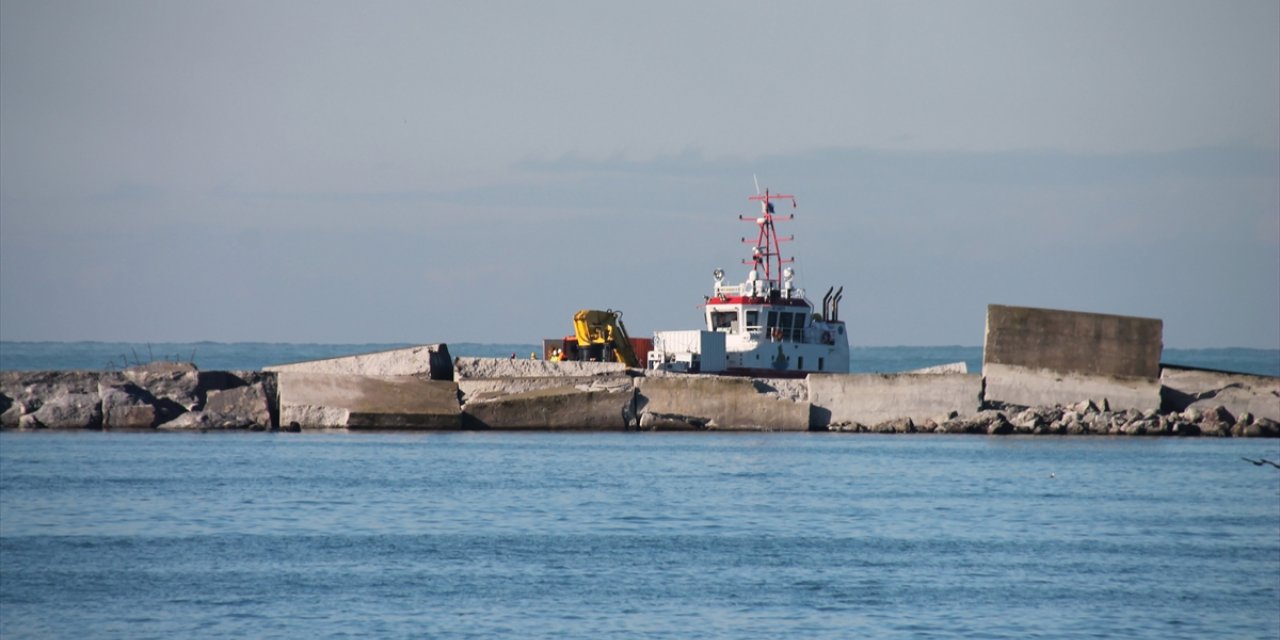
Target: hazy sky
x,y
478,171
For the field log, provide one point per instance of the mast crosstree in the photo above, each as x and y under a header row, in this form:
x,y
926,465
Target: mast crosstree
x,y
766,254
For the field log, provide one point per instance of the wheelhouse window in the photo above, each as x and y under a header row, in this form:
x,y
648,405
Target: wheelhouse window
x,y
785,327
753,319
797,329
723,320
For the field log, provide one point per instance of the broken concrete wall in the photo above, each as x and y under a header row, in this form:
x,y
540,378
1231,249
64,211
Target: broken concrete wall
x,y
1239,393
332,400
1027,387
711,402
1047,357
1092,344
504,393
562,408
872,398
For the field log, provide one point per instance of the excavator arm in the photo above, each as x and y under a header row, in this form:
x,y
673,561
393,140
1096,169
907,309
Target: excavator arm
x,y
606,328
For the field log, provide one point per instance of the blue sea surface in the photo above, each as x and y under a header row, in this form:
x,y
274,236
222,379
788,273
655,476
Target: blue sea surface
x,y
639,535
250,356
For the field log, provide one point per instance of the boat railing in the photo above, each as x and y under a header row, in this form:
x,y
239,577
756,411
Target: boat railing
x,y
730,290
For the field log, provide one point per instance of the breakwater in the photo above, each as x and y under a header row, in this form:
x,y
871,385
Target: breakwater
x,y
1044,371
422,388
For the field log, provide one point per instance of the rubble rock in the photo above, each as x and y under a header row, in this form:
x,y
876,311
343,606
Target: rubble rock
x,y
11,412
70,411
238,408
126,406
191,420
1183,428
174,381
901,425
1262,428
1217,418
999,426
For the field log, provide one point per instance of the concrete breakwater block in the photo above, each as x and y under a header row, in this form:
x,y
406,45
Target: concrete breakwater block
x,y
873,398
1092,344
1239,393
482,368
1027,387
1046,357
598,403
689,402
560,408
429,360
337,401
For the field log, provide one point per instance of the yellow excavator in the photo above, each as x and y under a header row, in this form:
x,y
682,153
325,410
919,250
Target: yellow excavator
x,y
604,331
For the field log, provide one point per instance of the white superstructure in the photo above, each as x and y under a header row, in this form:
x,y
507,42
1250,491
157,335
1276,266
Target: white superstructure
x,y
770,329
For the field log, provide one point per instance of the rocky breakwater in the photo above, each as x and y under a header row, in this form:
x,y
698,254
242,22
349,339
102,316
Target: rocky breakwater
x,y
157,395
422,388
1083,418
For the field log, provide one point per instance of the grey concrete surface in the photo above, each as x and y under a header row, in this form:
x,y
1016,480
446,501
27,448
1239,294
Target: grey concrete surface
x,y
1092,344
711,402
1239,393
1028,387
873,398
336,400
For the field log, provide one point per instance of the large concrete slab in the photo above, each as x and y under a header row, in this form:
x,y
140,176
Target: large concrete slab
x,y
1239,393
489,389
873,398
1092,344
1029,387
467,368
337,400
428,360
554,408
711,402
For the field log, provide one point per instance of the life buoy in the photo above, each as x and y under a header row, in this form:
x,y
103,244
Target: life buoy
x,y
777,333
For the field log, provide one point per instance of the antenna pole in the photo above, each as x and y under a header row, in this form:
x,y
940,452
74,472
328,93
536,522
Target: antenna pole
x,y
767,252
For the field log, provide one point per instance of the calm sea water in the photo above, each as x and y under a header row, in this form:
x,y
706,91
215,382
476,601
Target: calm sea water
x,y
220,356
636,535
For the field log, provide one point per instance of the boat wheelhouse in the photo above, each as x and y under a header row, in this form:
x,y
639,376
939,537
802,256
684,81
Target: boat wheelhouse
x,y
763,326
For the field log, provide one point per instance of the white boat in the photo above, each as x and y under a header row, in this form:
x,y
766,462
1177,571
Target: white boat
x,y
763,326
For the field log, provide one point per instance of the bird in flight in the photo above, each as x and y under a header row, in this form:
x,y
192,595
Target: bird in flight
x,y
1261,462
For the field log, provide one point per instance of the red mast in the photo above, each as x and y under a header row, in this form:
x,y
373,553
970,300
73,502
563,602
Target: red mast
x,y
766,253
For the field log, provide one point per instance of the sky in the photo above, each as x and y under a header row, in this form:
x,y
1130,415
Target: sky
x,y
361,172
